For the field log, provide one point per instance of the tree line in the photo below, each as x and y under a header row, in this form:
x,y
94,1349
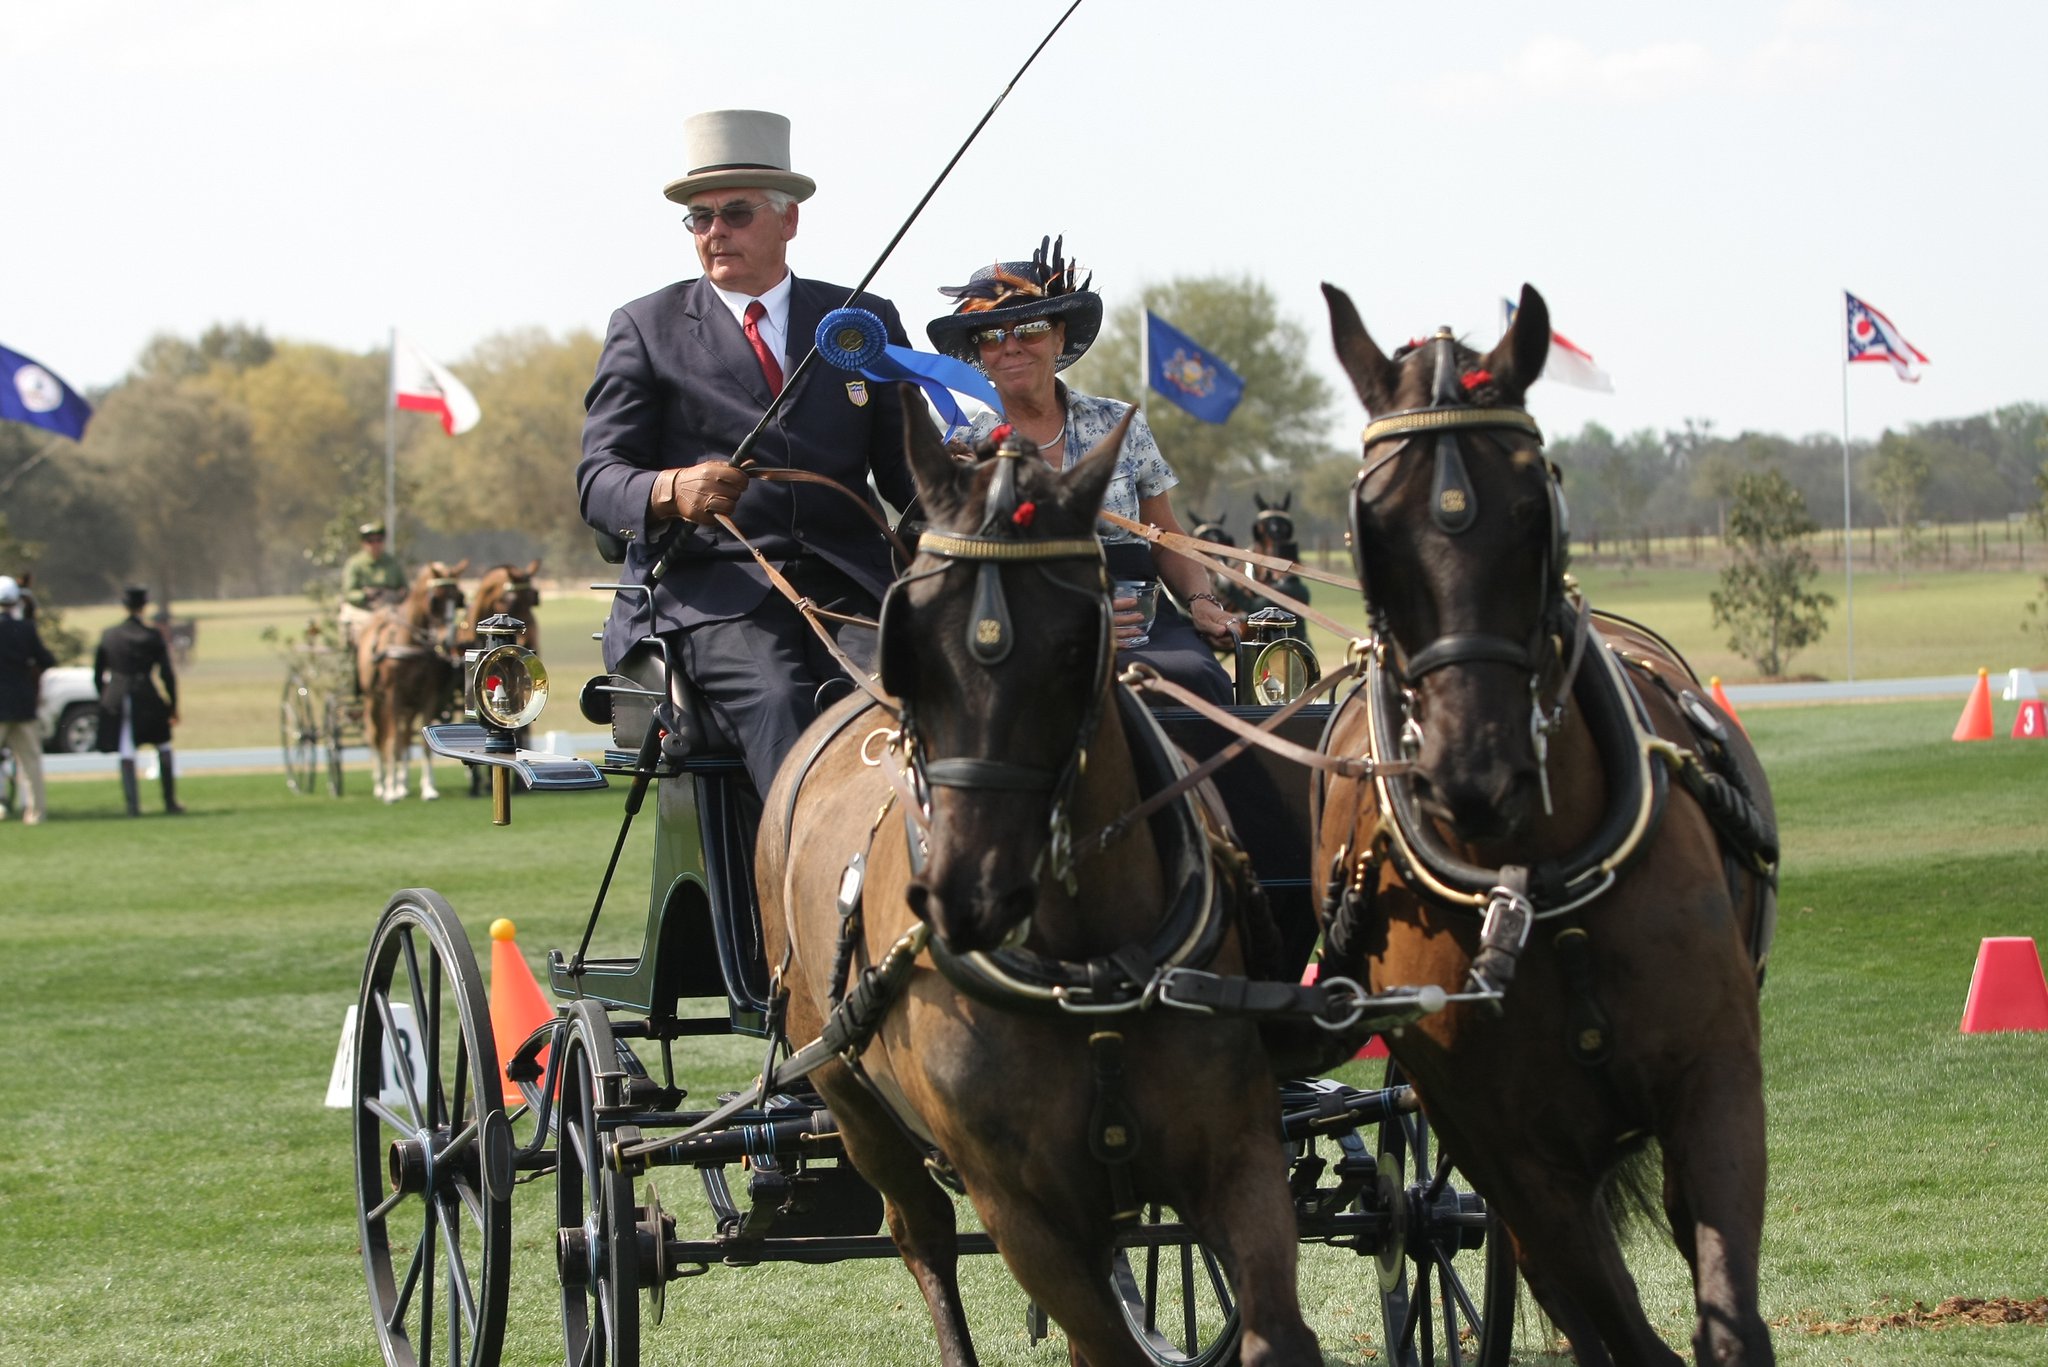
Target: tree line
x,y
234,464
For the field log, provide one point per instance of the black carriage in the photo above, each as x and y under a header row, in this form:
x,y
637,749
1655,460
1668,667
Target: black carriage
x,y
440,1146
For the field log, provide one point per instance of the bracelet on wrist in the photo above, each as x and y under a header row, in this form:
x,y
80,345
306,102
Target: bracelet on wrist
x,y
1195,598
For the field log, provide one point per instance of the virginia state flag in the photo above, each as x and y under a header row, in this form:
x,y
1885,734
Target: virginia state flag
x,y
31,394
1873,338
1187,373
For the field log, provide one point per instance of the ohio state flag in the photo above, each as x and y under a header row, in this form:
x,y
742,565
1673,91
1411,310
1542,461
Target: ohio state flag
x,y
1873,338
423,385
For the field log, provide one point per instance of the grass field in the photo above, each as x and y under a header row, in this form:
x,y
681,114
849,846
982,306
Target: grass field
x,y
1932,624
173,1191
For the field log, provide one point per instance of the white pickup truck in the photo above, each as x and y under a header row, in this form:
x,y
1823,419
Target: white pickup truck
x,y
69,710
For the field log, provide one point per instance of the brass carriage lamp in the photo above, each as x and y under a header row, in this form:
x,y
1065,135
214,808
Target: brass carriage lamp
x,y
1274,663
507,690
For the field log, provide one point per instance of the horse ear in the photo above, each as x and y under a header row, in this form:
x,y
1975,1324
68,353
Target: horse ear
x,y
1373,376
455,570
1518,360
937,474
1088,480
1286,501
532,569
1259,500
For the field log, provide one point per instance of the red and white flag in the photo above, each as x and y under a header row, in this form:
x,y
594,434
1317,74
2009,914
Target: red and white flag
x,y
423,385
1873,338
1568,363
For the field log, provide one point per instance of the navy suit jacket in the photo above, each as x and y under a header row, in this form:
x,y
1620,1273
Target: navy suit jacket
x,y
678,384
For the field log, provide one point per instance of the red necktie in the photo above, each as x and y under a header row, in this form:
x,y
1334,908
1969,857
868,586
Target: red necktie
x,y
772,372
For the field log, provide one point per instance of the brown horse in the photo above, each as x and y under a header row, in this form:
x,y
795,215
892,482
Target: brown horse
x,y
1019,749
1570,786
407,660
506,590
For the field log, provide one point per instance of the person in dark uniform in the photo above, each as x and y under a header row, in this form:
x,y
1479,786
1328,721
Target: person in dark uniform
x,y
685,375
132,711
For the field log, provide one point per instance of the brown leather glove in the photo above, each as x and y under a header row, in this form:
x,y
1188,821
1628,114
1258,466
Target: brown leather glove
x,y
698,493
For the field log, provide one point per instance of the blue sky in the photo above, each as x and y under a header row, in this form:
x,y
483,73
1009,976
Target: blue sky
x,y
1690,186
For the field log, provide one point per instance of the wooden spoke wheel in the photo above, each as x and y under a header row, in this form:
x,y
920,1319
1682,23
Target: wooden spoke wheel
x,y
1446,1267
1175,1297
298,732
598,1253
433,1149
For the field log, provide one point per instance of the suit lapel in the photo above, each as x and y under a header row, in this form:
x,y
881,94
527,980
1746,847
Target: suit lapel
x,y
718,332
806,311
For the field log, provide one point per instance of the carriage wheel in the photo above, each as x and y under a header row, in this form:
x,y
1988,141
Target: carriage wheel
x,y
298,731
433,1149
597,1240
1176,1299
1437,1314
336,726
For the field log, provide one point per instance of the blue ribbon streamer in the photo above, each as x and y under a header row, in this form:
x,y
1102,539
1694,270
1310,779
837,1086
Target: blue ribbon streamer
x,y
854,339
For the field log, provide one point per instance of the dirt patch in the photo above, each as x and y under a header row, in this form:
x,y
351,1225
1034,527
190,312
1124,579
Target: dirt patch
x,y
1948,1313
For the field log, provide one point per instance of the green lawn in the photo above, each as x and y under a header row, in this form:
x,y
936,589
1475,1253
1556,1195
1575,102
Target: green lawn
x,y
173,1191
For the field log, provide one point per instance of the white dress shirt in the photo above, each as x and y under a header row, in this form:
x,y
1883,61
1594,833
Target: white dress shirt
x,y
774,328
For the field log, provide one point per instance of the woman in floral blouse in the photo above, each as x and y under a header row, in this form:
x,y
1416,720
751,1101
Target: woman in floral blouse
x,y
1021,323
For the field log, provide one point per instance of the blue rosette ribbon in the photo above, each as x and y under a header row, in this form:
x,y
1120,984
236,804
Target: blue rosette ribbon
x,y
855,340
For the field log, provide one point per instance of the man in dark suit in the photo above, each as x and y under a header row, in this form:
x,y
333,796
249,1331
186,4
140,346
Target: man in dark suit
x,y
132,712
685,375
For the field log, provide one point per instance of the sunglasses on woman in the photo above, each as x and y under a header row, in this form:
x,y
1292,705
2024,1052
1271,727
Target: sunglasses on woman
x,y
736,216
1023,332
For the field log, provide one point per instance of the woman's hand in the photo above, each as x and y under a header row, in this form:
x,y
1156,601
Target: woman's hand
x,y
1128,622
1212,623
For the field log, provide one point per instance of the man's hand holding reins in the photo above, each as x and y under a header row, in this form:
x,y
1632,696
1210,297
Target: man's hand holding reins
x,y
698,493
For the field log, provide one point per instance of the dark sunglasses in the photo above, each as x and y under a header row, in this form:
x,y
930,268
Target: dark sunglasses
x,y
1023,332
700,221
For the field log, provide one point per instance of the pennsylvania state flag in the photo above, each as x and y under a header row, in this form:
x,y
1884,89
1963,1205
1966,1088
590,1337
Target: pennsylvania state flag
x,y
31,394
1188,374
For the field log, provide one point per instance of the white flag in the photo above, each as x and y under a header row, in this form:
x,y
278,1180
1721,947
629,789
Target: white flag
x,y
423,385
1567,363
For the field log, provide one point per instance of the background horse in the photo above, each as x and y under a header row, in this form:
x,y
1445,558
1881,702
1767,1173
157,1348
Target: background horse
x,y
1273,534
508,590
997,644
407,660
1567,775
1236,598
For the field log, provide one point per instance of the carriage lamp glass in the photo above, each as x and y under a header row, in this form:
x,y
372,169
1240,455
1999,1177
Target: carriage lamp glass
x,y
1281,672
509,687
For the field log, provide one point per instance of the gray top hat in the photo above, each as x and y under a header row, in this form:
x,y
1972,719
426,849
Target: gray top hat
x,y
733,148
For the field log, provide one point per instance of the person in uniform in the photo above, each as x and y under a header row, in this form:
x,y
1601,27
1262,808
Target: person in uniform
x,y
23,658
369,578
685,375
132,711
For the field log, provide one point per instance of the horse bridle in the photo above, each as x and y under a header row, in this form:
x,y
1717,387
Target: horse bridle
x,y
1454,507
989,639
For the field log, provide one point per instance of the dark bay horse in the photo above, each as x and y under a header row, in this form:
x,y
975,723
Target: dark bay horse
x,y
1012,750
1273,534
1236,598
408,659
1572,790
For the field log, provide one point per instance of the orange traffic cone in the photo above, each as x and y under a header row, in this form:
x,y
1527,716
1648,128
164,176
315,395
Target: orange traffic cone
x,y
1374,1047
2007,991
1721,701
1975,723
518,1006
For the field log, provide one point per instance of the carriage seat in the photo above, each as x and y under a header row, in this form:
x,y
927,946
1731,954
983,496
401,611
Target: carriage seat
x,y
648,687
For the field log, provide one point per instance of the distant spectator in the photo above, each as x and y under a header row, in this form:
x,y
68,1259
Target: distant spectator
x,y
132,712
23,659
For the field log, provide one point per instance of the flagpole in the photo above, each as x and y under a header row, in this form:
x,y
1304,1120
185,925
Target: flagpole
x,y
1848,522
391,447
